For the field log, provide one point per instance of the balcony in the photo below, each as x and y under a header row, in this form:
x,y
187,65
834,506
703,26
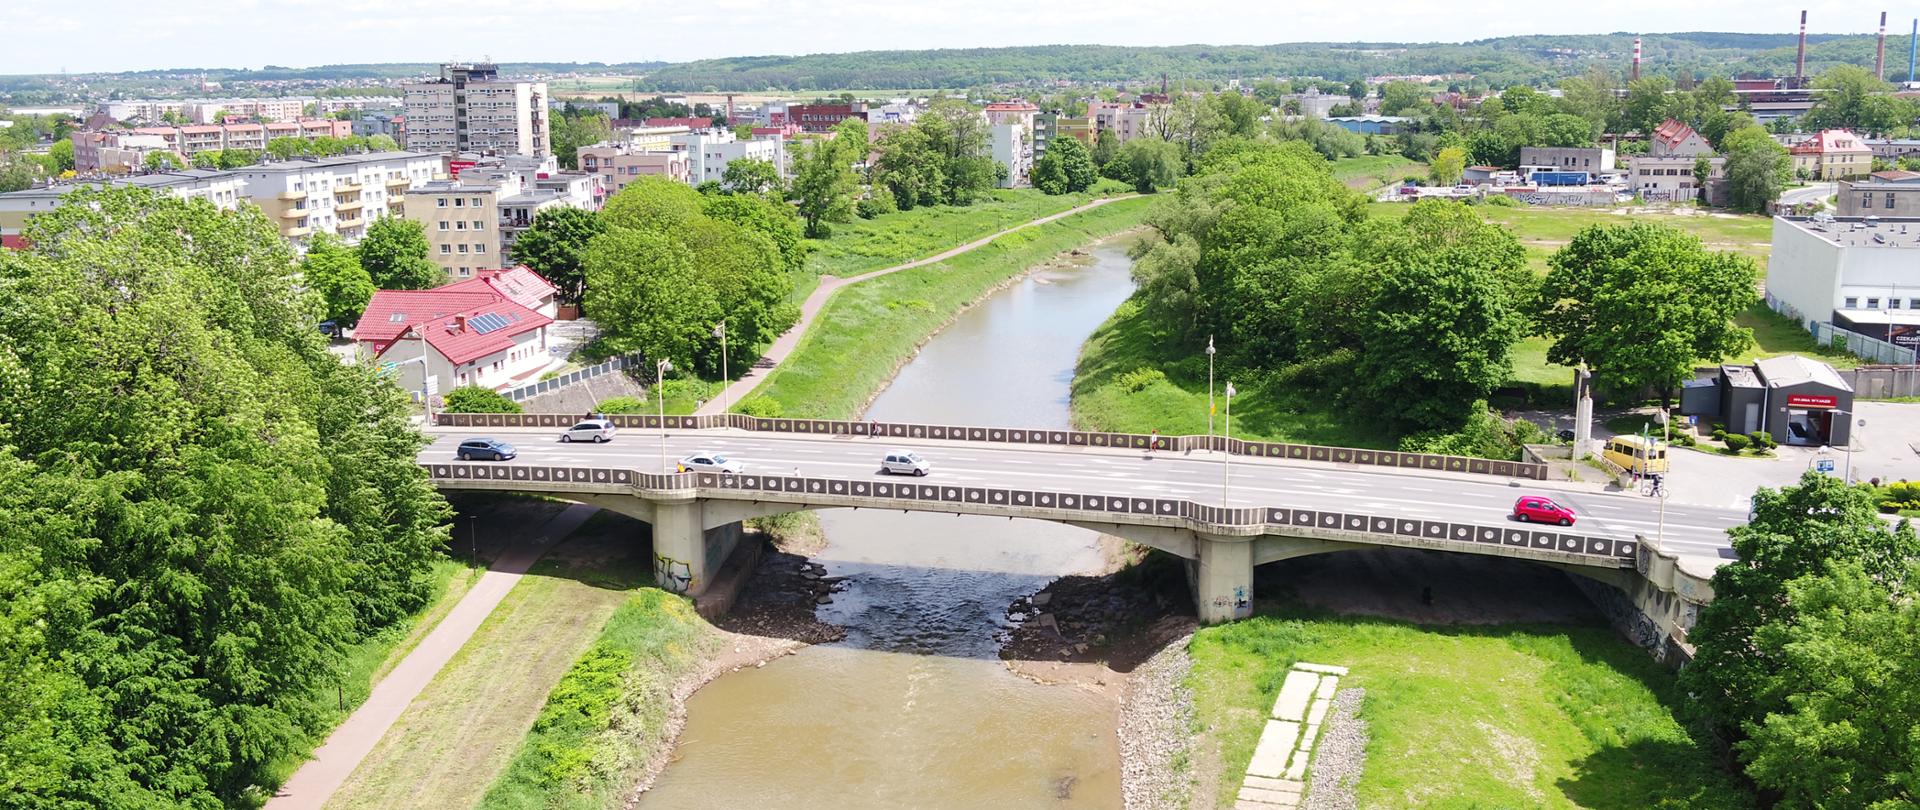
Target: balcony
x,y
345,186
349,205
297,232
291,195
349,219
399,182
294,213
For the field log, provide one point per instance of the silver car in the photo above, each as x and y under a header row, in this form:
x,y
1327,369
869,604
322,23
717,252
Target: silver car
x,y
589,430
905,462
710,462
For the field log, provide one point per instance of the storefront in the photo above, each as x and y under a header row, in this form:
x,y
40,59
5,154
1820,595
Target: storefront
x,y
1794,399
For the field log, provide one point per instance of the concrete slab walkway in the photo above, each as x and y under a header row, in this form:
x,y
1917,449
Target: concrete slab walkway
x,y
785,344
335,760
1277,775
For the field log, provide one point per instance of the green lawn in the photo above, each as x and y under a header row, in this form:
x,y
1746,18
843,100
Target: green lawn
x,y
1368,172
1543,229
868,329
1177,405
865,245
1538,716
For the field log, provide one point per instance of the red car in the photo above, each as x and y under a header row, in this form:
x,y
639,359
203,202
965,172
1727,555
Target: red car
x,y
1540,509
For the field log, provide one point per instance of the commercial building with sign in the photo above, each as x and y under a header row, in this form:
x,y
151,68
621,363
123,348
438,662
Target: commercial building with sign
x,y
1853,272
1794,399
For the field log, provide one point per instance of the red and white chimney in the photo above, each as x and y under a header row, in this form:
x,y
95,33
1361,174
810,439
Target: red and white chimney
x,y
1800,61
1636,60
1880,50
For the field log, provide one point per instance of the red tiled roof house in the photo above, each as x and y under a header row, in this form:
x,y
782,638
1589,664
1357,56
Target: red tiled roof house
x,y
490,331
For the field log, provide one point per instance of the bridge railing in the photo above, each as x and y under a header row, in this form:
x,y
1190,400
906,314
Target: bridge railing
x,y
1068,438
919,494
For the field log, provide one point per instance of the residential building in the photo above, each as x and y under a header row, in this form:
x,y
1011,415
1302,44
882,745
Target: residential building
x,y
142,111
462,222
224,189
610,109
1856,273
619,164
655,139
1666,170
1893,149
1080,129
489,330
470,108
339,195
90,155
1011,139
709,152
388,121
1371,124
1674,137
1881,194
1568,158
691,123
816,117
1126,120
214,110
898,111
1831,155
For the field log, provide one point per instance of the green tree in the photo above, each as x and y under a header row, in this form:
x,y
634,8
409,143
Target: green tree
x,y
652,204
159,161
646,295
236,158
1048,175
62,153
1449,165
824,185
1643,303
382,143
1152,163
286,147
1649,103
1106,147
907,166
204,510
553,244
767,216
333,272
475,399
749,176
1401,97
1357,89
209,159
1757,169
394,253
1853,98
1561,129
1075,162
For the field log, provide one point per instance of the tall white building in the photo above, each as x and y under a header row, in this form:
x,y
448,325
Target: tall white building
x,y
1854,272
470,108
709,152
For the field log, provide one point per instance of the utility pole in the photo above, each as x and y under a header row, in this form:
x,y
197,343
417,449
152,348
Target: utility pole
x,y
1226,478
1209,389
660,370
721,333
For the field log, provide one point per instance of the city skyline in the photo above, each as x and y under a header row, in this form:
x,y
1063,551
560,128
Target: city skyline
x,y
252,34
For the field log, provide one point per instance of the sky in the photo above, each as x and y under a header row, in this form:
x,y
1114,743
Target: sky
x,y
47,36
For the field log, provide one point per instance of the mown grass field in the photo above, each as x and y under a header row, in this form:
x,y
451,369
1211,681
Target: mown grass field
x,y
1368,172
1536,716
865,245
868,329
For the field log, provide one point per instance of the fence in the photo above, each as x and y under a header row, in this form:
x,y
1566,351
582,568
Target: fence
x,y
571,377
1861,346
943,497
1070,438
1883,382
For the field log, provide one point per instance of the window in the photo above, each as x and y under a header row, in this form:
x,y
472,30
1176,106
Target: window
x,y
478,225
443,225
466,271
459,202
475,203
463,247
1866,200
442,201
1852,302
1873,303
1889,200
479,248
446,249
459,226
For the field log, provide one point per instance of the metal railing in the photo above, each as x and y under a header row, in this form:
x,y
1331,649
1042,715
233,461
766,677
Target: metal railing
x,y
1062,504
535,389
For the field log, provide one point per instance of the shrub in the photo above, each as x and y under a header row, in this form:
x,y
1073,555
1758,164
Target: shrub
x,y
1108,187
1762,440
1502,201
1737,442
474,399
761,405
1719,434
879,201
622,405
1140,379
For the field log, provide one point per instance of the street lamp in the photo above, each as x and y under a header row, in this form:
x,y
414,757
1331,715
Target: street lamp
x,y
1209,389
721,333
1848,476
660,370
1226,478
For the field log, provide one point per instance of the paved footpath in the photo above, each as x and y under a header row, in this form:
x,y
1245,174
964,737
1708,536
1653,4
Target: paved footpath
x,y
785,344
316,780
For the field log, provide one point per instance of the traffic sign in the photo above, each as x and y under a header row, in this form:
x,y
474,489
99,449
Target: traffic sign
x,y
1824,465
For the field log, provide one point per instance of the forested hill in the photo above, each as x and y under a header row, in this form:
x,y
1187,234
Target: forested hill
x,y
1500,61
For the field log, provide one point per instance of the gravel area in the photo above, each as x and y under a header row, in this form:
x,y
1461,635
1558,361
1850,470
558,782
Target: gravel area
x,y
1341,754
1155,722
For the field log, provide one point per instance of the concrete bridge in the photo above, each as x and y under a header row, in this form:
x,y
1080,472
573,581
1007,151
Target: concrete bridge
x,y
1285,501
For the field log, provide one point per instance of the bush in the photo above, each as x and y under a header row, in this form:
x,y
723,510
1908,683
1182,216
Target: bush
x,y
1737,442
1719,434
1502,201
1109,187
1140,379
879,201
762,406
621,405
474,399
1762,440
1485,435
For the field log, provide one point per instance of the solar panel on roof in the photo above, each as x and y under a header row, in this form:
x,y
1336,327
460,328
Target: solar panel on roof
x,y
487,322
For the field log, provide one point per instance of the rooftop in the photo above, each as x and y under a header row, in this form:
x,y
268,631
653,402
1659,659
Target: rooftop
x,y
1793,369
1861,232
1740,376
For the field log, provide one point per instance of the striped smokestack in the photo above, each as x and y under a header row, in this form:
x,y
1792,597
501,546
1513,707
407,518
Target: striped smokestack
x,y
1880,50
1800,62
1636,59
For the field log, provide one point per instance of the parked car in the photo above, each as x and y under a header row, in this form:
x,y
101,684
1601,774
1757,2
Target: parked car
x,y
485,450
707,461
1540,509
905,462
590,430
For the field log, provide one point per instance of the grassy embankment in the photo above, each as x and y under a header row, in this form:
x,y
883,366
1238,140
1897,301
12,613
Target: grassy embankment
x,y
1467,717
371,659
1369,172
868,329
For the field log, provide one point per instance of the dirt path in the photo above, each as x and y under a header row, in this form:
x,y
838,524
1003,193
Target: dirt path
x,y
785,344
315,782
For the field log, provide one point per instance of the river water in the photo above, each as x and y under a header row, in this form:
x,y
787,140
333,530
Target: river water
x,y
914,709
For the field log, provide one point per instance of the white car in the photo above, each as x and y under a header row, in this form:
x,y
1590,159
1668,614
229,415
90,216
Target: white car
x,y
705,461
905,462
589,430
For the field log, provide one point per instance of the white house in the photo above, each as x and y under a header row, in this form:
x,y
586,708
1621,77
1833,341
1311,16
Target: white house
x,y
709,152
490,331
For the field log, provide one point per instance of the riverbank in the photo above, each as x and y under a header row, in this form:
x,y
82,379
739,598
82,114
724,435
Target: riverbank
x,y
868,331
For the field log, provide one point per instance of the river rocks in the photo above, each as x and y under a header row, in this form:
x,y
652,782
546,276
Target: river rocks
x,y
1341,755
780,599
1155,718
1083,618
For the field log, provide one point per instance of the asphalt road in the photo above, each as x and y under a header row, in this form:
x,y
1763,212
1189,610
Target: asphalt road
x,y
1691,530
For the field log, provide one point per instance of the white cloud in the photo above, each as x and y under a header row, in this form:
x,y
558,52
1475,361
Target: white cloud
x,y
48,35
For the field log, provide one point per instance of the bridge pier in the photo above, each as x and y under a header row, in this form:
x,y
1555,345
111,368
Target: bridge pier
x,y
1221,577
685,555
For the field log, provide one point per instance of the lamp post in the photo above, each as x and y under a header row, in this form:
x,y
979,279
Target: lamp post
x,y
721,333
1848,475
1226,477
1209,389
660,370
1666,442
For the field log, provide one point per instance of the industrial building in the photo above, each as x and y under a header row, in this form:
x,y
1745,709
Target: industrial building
x,y
1794,399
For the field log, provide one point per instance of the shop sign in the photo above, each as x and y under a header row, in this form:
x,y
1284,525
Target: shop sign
x,y
1812,401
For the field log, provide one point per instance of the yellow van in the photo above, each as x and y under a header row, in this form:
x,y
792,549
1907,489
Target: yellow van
x,y
1637,454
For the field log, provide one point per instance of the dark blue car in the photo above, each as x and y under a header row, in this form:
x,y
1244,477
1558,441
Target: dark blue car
x,y
485,450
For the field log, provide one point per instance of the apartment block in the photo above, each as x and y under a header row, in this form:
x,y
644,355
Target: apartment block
x,y
473,221
1010,138
224,189
122,150
337,195
708,153
470,108
620,164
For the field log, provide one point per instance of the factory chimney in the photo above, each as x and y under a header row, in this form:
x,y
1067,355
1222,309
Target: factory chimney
x,y
1880,50
1636,60
1800,62
1913,50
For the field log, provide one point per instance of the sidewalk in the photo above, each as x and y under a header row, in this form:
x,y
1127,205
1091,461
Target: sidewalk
x,y
316,780
785,344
